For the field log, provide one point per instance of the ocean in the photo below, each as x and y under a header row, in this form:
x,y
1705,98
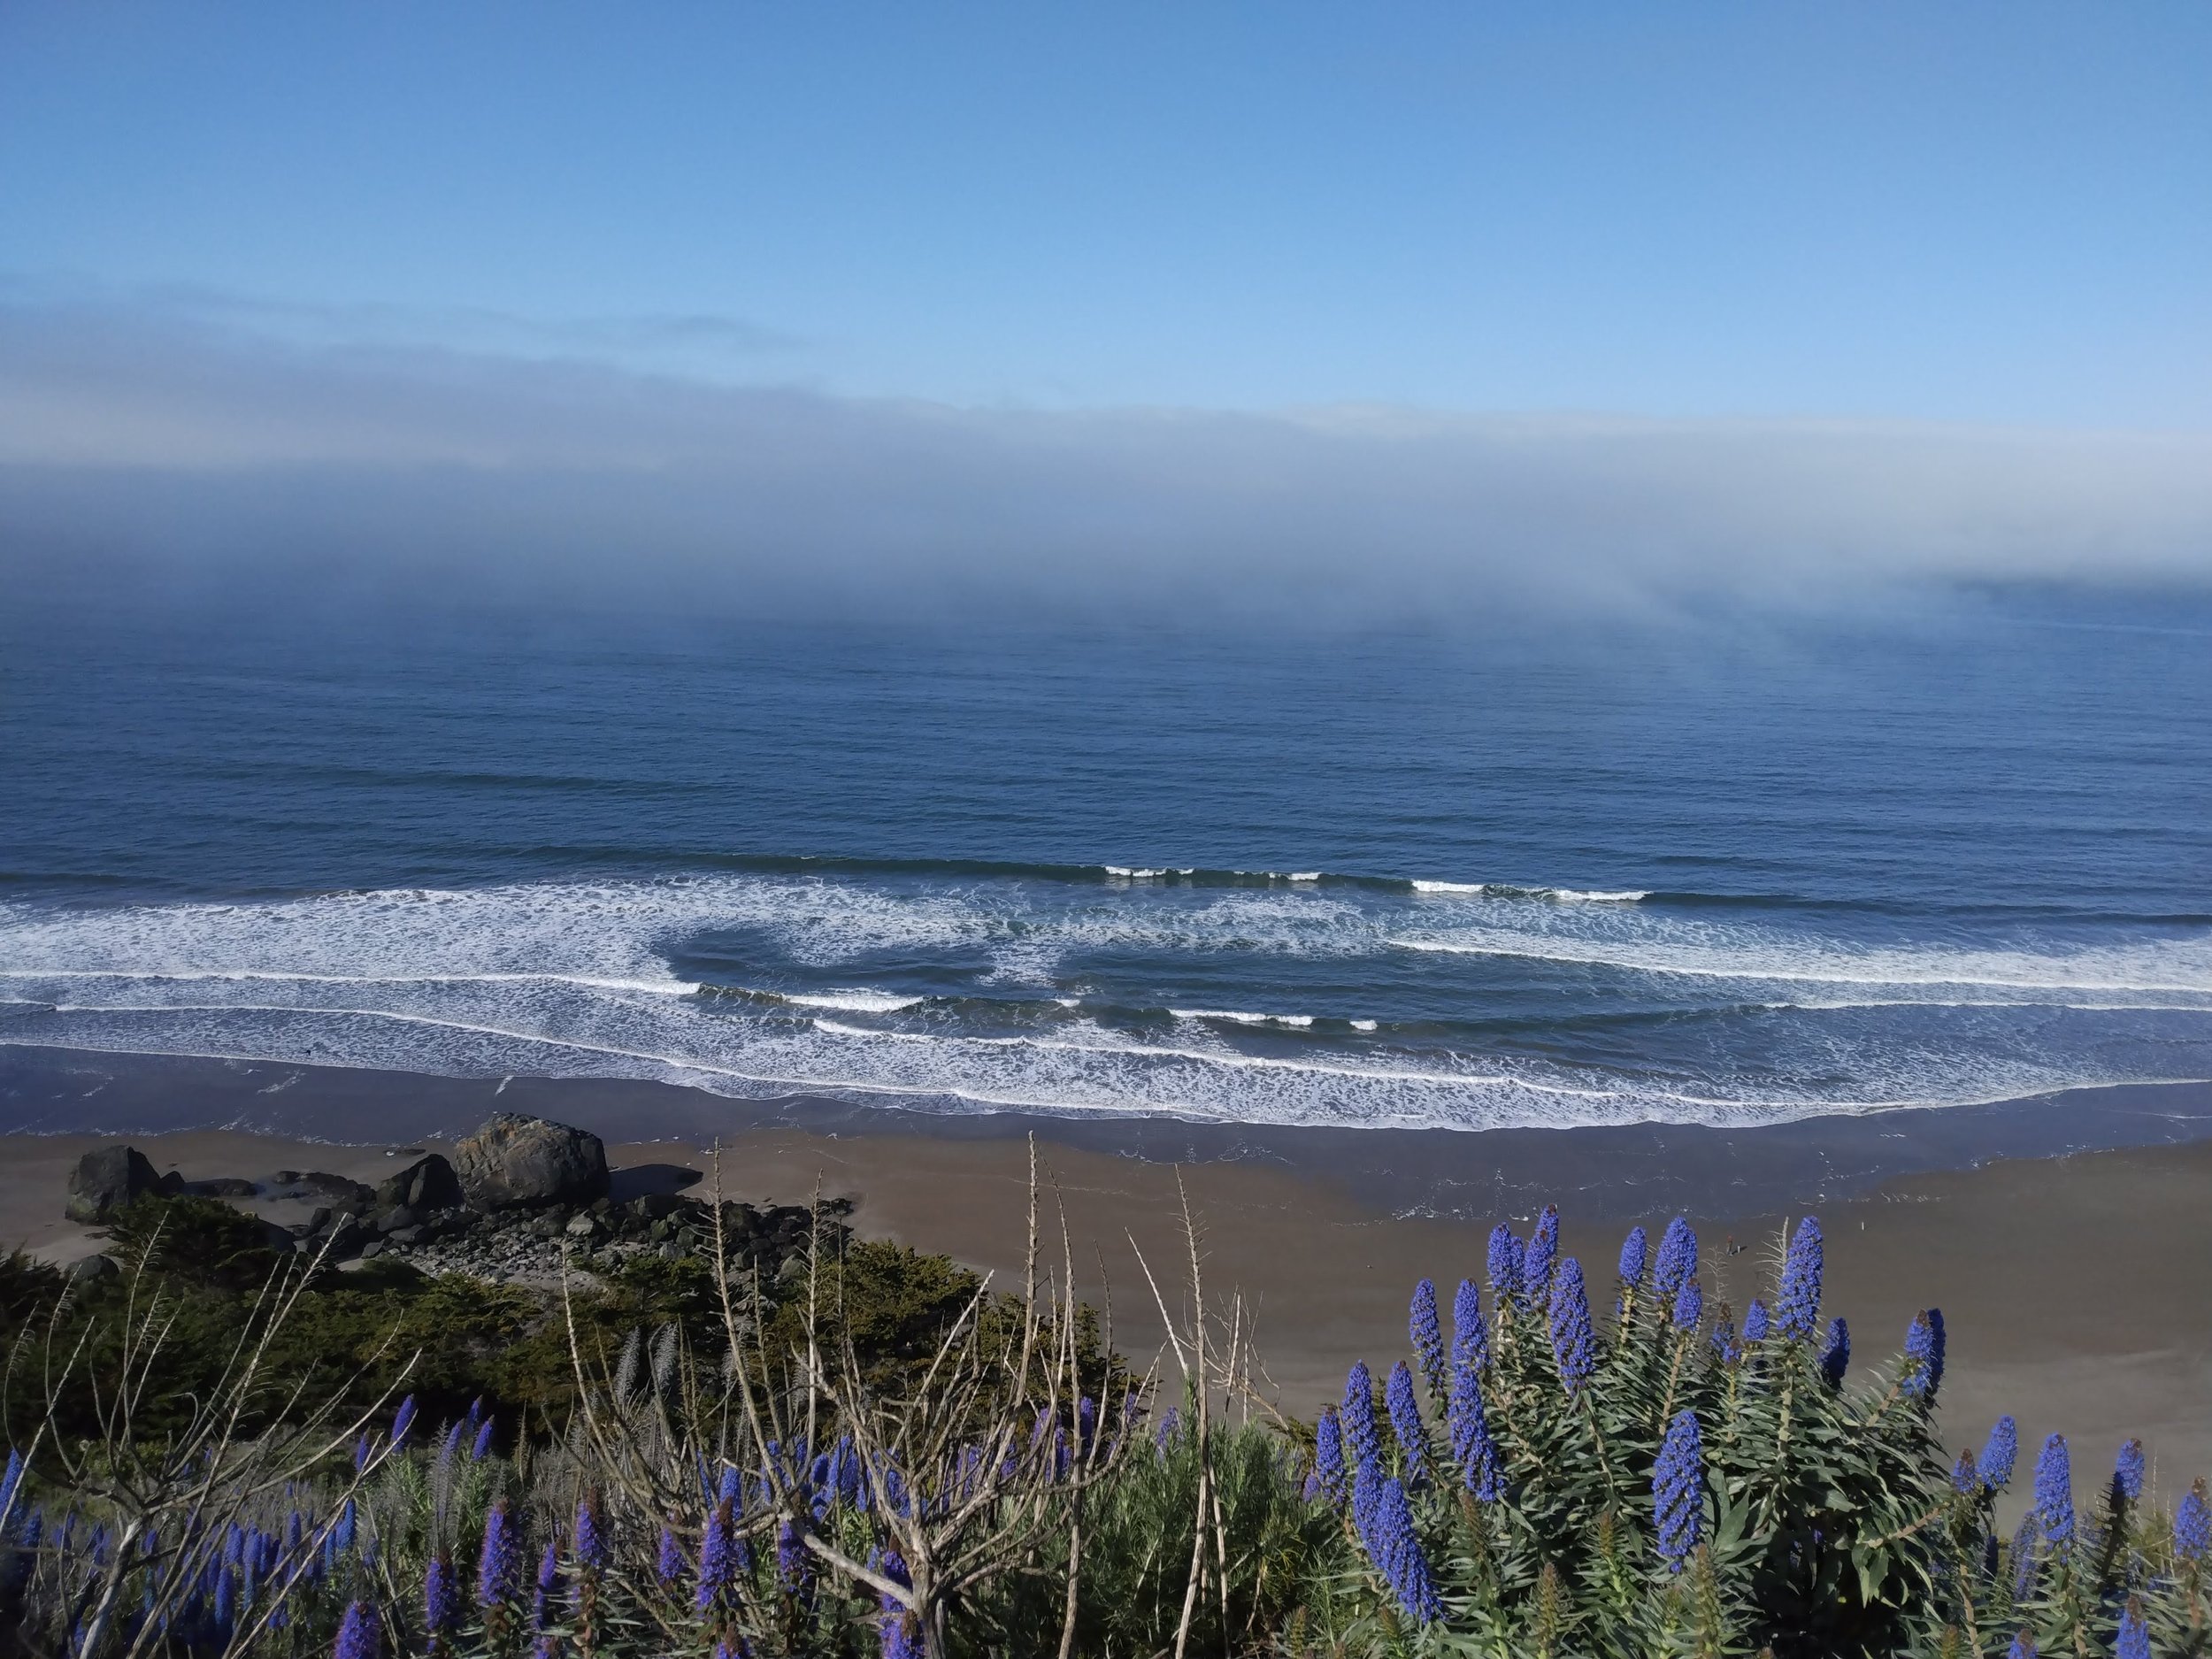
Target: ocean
x,y
1726,871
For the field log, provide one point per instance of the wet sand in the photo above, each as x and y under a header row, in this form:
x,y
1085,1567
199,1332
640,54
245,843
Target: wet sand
x,y
2077,1288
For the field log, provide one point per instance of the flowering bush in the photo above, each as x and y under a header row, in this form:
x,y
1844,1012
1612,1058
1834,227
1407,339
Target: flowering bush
x,y
1546,1479
1675,1485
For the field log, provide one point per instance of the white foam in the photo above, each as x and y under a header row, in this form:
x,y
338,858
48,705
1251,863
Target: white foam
x,y
1563,895
855,1002
2176,971
576,978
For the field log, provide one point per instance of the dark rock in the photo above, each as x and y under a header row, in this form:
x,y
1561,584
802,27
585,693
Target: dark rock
x,y
514,1160
220,1186
427,1184
392,1220
373,1248
91,1268
173,1186
405,1235
106,1179
338,1189
317,1220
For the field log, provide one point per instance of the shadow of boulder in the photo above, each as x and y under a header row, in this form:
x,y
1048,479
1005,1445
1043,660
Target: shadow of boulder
x,y
647,1180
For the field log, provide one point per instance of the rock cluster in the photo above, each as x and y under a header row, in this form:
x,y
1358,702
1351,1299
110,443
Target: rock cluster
x,y
522,1197
532,1246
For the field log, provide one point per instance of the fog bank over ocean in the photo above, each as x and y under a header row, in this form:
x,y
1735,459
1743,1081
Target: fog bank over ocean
x,y
207,445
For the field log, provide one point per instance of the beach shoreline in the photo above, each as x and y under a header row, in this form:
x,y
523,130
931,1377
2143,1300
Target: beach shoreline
x,y
1617,1171
2079,1280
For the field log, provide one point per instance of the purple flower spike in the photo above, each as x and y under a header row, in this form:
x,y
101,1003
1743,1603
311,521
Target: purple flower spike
x,y
2023,1646
1472,1447
1357,1415
1678,1490
1385,1527
901,1631
1999,1456
591,1537
500,1564
549,1581
2127,1472
1405,1423
1676,1263
404,1420
1328,1456
1924,1355
1573,1349
2192,1524
441,1605
1755,1323
1427,1333
2134,1639
791,1556
1689,1306
1835,1355
483,1441
363,1450
1963,1477
1470,1338
1797,1309
1635,1256
359,1634
2054,1505
717,1560
1536,1264
1505,1253
669,1566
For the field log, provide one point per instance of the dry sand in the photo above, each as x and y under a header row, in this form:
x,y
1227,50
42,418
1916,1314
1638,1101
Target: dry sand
x,y
2077,1290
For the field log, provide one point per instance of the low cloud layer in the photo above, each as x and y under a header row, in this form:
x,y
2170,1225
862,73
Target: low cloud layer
x,y
128,433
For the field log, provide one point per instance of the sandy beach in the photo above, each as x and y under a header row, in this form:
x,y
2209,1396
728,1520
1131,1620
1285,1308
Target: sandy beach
x,y
2077,1287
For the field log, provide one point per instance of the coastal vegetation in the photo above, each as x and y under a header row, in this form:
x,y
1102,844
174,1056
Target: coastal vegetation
x,y
840,1447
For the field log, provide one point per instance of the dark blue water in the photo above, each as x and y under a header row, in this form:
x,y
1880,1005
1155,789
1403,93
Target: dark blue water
x,y
1538,874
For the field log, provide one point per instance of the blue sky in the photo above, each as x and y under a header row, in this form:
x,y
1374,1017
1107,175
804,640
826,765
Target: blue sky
x,y
1971,212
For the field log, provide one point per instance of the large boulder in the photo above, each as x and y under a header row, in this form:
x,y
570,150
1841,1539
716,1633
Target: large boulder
x,y
426,1185
514,1161
106,1179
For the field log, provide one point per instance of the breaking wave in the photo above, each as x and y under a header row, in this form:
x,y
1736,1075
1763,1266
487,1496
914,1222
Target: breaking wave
x,y
1300,998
